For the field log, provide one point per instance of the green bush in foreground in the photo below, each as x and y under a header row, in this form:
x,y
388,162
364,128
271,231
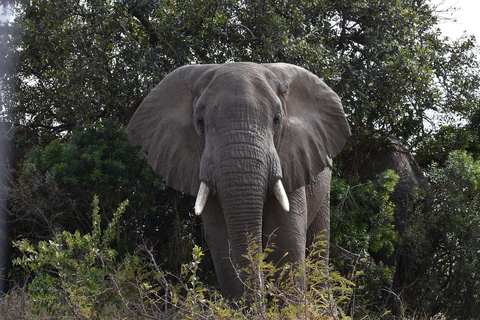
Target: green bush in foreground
x,y
78,276
70,272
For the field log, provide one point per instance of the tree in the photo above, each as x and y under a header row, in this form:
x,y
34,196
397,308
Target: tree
x,y
93,60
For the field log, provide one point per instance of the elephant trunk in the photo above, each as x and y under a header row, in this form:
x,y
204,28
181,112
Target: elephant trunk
x,y
242,186
243,208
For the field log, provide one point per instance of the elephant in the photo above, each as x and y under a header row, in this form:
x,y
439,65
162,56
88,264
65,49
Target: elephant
x,y
254,143
392,154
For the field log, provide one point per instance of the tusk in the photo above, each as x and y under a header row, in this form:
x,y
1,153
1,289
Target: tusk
x,y
202,197
281,195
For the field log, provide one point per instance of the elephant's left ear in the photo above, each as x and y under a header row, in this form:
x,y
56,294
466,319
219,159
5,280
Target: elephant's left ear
x,y
316,129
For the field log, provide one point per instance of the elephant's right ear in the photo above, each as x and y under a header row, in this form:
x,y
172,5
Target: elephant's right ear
x,y
163,126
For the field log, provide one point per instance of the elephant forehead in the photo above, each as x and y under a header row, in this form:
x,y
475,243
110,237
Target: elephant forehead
x,y
238,90
241,68
239,95
242,78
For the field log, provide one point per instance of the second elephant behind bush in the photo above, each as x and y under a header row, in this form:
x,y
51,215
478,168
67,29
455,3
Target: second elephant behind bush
x,y
369,162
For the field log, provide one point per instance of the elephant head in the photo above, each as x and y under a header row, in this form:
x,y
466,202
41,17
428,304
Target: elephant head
x,y
235,133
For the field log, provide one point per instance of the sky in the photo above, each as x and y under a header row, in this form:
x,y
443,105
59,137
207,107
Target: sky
x,y
5,14
465,19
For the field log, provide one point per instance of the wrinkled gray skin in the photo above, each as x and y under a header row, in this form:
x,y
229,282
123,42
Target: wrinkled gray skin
x,y
397,158
240,128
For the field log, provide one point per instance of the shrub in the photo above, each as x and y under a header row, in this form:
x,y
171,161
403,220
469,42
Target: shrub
x,y
56,183
70,272
78,276
362,216
273,292
444,243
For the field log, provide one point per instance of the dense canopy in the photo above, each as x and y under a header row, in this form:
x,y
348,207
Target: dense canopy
x,y
91,60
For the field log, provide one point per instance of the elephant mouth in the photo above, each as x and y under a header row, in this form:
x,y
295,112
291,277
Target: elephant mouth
x,y
204,191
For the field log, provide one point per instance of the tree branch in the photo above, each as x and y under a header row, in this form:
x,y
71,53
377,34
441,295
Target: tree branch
x,y
153,37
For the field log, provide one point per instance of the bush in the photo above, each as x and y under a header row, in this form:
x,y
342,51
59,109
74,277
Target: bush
x,y
70,272
444,254
56,183
362,216
78,276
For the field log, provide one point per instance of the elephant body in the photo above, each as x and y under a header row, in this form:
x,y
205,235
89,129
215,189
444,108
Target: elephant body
x,y
396,157
292,232
255,143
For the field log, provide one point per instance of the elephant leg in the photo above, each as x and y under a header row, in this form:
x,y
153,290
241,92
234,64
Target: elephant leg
x,y
318,208
216,235
289,228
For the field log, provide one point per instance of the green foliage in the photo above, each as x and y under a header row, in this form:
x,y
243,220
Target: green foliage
x,y
387,60
362,219
93,158
70,271
438,147
444,242
80,277
55,182
362,222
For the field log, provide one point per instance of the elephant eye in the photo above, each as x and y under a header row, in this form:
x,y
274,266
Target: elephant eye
x,y
276,119
201,126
